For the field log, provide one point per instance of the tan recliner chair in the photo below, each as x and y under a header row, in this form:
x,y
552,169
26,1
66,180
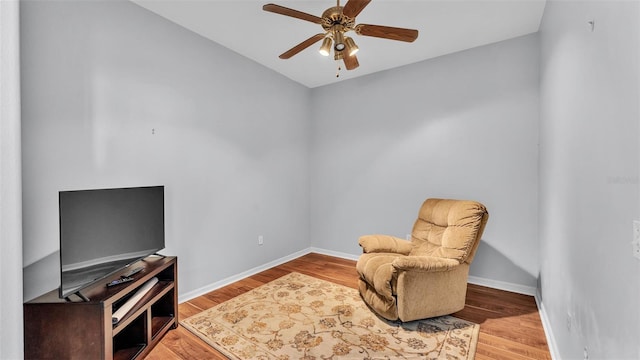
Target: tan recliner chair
x,y
427,276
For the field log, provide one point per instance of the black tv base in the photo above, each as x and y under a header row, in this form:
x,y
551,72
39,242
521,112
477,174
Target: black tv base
x,y
59,329
79,294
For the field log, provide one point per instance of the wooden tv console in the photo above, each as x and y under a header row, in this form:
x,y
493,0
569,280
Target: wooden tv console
x,y
55,328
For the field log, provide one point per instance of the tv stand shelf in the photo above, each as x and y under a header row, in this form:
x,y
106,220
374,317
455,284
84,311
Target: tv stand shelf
x,y
76,329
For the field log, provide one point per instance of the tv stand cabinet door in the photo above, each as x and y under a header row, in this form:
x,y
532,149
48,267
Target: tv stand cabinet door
x,y
66,331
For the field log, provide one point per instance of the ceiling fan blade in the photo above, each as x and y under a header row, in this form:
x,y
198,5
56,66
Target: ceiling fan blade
x,y
353,7
303,45
351,62
387,32
290,12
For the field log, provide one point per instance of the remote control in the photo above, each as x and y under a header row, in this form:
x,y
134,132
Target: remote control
x,y
119,281
132,272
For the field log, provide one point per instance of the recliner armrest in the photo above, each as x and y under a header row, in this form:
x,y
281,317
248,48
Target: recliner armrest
x,y
424,263
384,243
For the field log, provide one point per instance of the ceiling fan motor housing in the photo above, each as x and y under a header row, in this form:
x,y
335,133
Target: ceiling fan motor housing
x,y
333,16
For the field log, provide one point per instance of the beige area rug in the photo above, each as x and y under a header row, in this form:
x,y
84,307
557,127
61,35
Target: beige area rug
x,y
301,317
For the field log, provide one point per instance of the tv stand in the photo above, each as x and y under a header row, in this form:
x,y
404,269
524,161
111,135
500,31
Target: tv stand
x,y
57,328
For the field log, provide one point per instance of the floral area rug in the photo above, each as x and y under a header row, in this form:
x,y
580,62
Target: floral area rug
x,y
301,317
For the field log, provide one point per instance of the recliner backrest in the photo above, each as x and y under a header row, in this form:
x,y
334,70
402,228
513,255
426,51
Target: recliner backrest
x,y
449,229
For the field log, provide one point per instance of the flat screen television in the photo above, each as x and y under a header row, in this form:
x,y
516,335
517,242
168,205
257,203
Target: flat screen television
x,y
105,230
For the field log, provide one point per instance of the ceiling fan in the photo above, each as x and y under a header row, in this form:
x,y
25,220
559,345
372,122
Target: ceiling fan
x,y
336,22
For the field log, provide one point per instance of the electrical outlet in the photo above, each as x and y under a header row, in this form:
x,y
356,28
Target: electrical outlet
x,y
569,320
636,239
260,240
586,353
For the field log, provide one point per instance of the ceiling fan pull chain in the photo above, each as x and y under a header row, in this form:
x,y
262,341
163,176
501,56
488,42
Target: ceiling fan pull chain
x,y
339,68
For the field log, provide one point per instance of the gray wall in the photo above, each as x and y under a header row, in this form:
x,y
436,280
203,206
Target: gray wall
x,y
589,168
113,95
11,339
462,126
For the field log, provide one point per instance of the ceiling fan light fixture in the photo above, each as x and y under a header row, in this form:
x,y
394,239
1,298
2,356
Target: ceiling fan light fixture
x,y
325,49
352,48
339,41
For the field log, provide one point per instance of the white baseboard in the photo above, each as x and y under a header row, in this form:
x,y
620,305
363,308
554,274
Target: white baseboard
x,y
546,325
333,253
502,285
231,279
495,284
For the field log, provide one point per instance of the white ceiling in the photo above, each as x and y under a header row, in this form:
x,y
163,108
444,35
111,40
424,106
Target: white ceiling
x,y
445,26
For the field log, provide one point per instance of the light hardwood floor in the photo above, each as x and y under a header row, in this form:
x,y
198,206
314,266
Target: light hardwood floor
x,y
510,326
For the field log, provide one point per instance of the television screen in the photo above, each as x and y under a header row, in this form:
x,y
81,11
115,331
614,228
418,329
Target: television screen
x,y
103,231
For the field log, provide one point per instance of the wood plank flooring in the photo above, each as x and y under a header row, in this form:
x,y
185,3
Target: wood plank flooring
x,y
510,326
